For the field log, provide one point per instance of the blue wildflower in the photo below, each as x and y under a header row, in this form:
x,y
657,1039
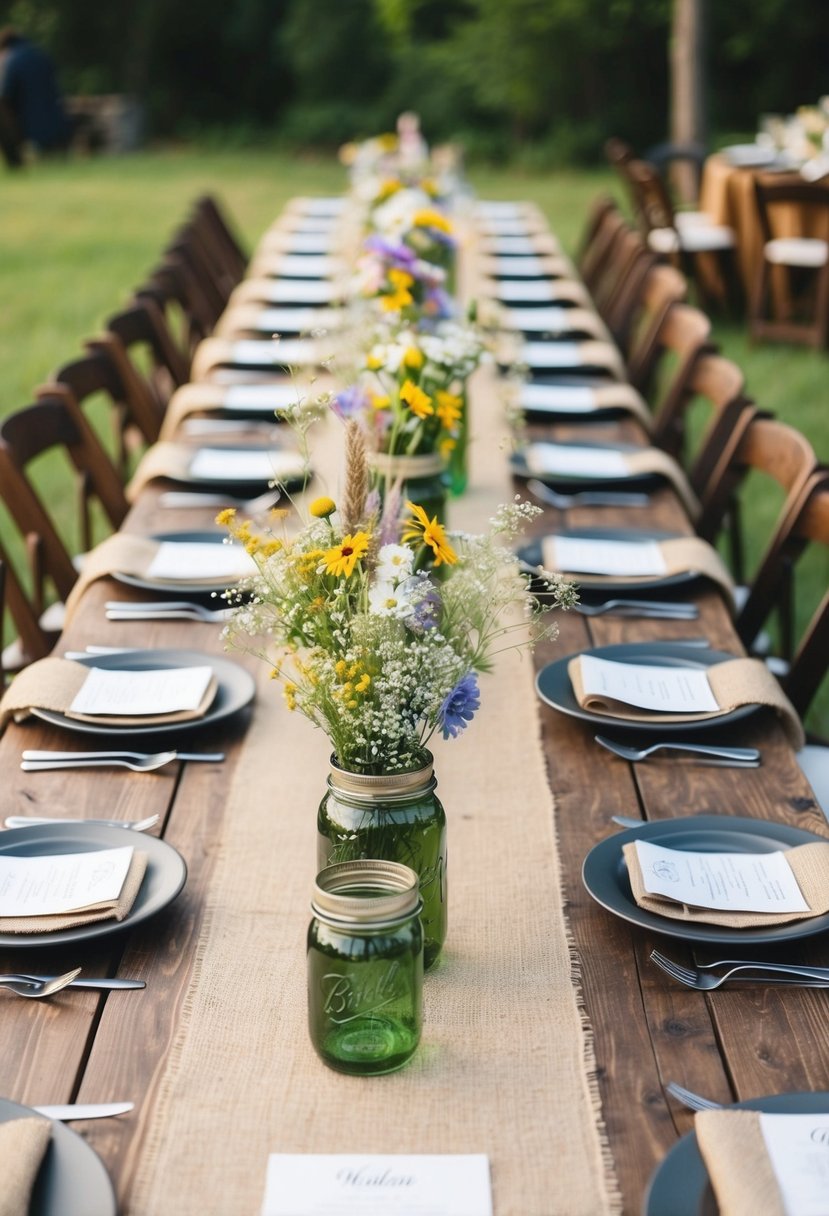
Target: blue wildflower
x,y
458,708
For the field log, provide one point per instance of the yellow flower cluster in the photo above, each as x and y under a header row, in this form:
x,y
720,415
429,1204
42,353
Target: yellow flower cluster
x,y
254,542
419,403
401,296
355,682
429,218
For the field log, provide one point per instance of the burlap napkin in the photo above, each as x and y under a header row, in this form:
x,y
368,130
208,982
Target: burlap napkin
x,y
23,1144
734,1151
810,866
173,460
572,356
734,683
116,910
682,554
54,683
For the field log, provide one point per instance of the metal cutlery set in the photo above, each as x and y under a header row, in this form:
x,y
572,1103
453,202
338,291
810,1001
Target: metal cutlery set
x,y
139,762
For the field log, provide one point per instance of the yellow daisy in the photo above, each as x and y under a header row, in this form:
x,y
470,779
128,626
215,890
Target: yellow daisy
x,y
342,559
419,403
431,533
449,408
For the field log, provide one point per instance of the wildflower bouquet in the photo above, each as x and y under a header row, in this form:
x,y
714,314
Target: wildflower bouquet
x,y
366,643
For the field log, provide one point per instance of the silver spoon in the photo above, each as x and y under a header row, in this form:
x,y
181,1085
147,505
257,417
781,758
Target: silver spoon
x,y
586,498
739,755
39,988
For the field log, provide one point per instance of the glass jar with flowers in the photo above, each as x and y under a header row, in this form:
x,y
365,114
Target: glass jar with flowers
x,y
381,656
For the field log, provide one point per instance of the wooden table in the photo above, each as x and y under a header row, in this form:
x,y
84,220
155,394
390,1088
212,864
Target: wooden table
x,y
730,1044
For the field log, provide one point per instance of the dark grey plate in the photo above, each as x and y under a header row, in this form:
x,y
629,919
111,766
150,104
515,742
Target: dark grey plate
x,y
171,586
72,1180
235,690
636,481
679,1186
166,873
605,874
241,487
553,685
531,553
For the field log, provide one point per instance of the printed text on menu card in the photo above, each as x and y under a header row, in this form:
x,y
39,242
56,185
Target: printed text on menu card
x,y
729,882
67,882
670,689
798,1147
377,1185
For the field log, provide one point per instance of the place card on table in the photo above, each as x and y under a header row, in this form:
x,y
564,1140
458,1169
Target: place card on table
x,y
304,242
189,561
543,356
305,266
294,320
138,694
373,1184
617,558
772,1163
257,352
520,268
606,684
726,882
527,293
59,883
244,464
572,460
299,291
537,320
270,398
518,246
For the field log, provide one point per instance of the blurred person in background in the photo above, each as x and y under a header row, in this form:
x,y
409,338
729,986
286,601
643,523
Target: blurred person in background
x,y
31,108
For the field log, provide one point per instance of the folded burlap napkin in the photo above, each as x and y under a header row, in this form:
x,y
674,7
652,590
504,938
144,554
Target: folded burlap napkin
x,y
681,554
734,1151
734,683
810,866
54,683
116,910
593,398
23,1144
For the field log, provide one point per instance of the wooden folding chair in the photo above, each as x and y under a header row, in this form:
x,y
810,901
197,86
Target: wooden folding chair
x,y
174,289
34,639
803,260
768,447
661,288
209,217
152,350
56,424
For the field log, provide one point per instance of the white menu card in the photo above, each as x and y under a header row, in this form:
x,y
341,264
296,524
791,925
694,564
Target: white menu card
x,y
264,353
61,882
670,689
728,882
243,464
373,1184
572,460
613,557
196,559
510,291
576,397
138,693
551,354
798,1147
261,396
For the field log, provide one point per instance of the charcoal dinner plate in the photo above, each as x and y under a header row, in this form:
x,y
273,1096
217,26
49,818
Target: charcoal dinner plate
x,y
164,879
72,1180
554,687
604,588
605,874
679,1185
235,690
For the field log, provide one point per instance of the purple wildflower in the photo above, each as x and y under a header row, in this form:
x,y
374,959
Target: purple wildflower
x,y
393,252
426,612
349,402
458,708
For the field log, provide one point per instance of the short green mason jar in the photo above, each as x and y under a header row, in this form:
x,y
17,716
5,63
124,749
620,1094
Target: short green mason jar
x,y
365,966
423,479
396,817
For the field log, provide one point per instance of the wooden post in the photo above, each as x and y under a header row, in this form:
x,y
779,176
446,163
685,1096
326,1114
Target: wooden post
x,y
688,119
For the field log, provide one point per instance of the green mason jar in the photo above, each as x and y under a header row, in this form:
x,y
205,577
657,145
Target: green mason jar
x,y
395,817
423,479
365,966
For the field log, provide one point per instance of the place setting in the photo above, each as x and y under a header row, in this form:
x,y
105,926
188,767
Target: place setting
x,y
232,470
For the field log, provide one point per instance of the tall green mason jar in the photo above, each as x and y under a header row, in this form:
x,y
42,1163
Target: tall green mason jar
x,y
422,479
365,966
396,817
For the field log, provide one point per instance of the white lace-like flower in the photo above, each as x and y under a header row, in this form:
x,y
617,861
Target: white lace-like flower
x,y
389,599
394,563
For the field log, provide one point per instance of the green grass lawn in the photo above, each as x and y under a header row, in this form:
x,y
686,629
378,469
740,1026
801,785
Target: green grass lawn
x,y
77,237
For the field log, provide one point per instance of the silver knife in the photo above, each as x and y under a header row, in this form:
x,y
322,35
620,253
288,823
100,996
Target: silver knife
x,y
89,1110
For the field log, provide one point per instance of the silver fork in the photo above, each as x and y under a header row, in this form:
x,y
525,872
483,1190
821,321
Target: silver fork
x,y
586,498
36,989
191,498
182,610
704,980
748,757
688,1098
39,762
134,825
658,609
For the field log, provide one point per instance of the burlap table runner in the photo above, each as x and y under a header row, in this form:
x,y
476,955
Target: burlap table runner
x,y
643,462
505,1066
810,866
681,554
23,1144
734,1151
173,460
53,684
116,910
734,683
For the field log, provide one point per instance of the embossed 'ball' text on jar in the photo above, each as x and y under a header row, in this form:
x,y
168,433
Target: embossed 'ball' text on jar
x,y
365,966
396,817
